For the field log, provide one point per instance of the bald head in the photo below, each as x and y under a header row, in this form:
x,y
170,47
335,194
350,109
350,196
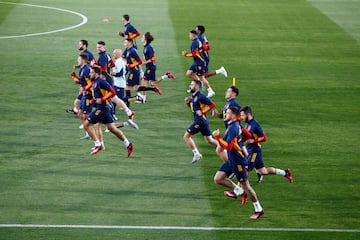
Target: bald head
x,y
117,53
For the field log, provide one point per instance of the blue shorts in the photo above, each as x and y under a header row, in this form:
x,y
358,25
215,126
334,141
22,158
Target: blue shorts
x,y
255,160
239,170
199,126
226,168
79,96
150,75
120,92
101,114
199,69
85,105
133,77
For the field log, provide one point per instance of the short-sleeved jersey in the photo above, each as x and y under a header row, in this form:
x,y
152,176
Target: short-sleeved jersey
x,y
230,103
90,55
132,57
120,71
231,137
84,75
200,102
196,50
256,132
100,89
149,54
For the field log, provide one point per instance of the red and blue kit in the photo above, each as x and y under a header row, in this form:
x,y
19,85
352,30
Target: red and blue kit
x,y
255,152
199,64
106,63
205,46
85,82
150,70
133,65
201,123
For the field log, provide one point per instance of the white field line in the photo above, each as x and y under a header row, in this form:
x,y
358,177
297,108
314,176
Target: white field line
x,y
179,228
84,21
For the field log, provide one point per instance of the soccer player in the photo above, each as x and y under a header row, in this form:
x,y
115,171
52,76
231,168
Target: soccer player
x,y
197,70
149,75
237,159
200,105
83,48
106,63
85,87
200,30
255,159
133,63
130,31
230,95
102,113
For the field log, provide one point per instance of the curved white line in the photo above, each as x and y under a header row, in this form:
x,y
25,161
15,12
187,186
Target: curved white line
x,y
84,20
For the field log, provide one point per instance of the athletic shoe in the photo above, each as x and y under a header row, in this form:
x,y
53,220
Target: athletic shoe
x,y
260,177
130,149
196,158
86,137
223,71
81,126
96,150
158,90
170,75
211,94
140,99
107,130
133,124
243,199
230,194
71,110
132,115
288,175
257,215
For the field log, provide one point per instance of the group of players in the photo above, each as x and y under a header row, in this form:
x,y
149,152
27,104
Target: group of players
x,y
103,86
239,148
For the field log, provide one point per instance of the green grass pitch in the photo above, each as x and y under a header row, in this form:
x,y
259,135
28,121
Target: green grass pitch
x,y
296,62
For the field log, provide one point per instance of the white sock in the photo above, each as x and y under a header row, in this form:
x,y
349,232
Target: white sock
x,y
280,172
102,143
97,143
210,89
195,151
164,77
128,111
126,124
218,71
126,142
238,190
257,206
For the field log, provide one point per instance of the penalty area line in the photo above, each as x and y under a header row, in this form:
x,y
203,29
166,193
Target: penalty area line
x,y
83,17
179,228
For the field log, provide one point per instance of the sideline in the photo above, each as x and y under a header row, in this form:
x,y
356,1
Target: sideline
x,y
179,228
84,21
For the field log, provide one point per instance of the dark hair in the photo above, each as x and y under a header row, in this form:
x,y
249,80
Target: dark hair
x,y
197,82
246,109
126,17
235,90
97,70
84,56
148,37
193,32
201,28
101,43
84,42
130,40
234,110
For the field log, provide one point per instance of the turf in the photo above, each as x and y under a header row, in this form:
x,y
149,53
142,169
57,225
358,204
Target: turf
x,y
296,67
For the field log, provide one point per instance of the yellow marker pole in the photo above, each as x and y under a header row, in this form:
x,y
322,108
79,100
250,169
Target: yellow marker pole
x,y
234,82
